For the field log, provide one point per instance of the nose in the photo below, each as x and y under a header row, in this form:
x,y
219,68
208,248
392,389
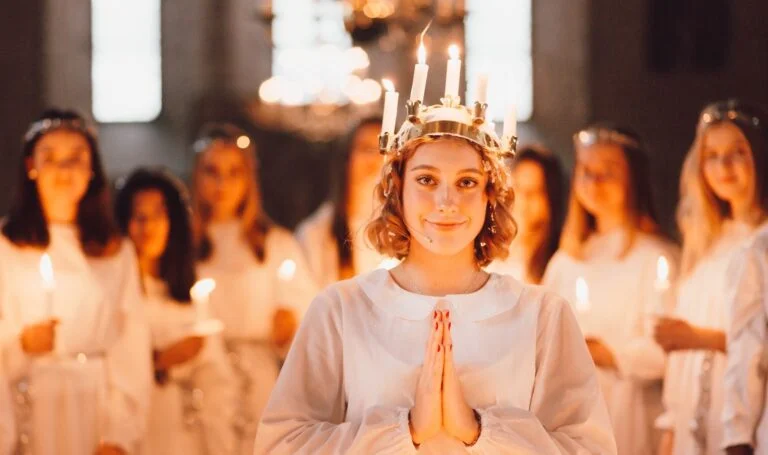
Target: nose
x,y
446,199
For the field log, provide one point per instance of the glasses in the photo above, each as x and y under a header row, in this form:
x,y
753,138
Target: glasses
x,y
597,135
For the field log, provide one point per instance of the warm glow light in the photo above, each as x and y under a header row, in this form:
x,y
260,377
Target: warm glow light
x,y
421,54
388,85
662,269
287,270
46,272
453,51
202,289
582,295
270,90
389,263
243,142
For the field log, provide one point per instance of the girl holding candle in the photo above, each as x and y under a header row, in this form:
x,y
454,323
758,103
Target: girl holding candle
x,y
723,197
333,238
194,398
243,251
437,356
81,374
539,187
608,252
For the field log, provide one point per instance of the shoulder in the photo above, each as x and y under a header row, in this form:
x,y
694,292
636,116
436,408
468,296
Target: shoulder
x,y
657,245
316,223
279,237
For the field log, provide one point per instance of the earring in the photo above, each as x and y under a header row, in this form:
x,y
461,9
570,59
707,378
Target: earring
x,y
32,174
493,221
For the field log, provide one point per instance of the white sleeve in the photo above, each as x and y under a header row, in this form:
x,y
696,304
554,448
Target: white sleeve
x,y
305,414
745,376
129,365
14,362
214,376
7,418
567,413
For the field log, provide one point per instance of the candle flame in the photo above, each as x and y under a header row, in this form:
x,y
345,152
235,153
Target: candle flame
x,y
453,51
46,271
582,294
202,289
287,270
662,269
421,54
388,85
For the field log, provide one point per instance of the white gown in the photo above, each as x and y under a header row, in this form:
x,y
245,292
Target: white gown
x,y
96,385
246,296
316,239
619,311
745,411
349,383
701,301
192,413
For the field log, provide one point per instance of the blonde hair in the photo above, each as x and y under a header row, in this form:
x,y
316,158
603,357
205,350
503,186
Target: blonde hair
x,y
388,233
580,224
255,224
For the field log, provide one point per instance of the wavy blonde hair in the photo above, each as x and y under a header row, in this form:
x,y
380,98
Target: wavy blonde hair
x,y
388,233
255,223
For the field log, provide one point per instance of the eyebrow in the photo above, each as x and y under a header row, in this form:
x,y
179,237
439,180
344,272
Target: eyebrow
x,y
427,167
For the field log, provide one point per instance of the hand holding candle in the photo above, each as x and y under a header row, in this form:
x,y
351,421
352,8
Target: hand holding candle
x,y
200,293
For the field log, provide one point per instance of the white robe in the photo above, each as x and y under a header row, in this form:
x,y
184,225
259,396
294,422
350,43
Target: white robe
x,y
96,385
246,297
350,379
622,300
745,411
192,413
319,245
701,301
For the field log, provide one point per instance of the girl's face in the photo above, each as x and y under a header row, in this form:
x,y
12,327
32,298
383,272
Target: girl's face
x,y
223,179
149,224
444,198
601,179
531,207
62,161
727,163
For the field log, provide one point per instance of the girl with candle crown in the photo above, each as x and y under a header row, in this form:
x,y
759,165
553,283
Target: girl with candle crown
x,y
724,196
437,356
242,250
333,237
81,381
194,398
610,242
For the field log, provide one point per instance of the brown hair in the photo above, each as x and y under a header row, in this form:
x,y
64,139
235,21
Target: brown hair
x,y
26,225
700,213
388,233
255,224
580,224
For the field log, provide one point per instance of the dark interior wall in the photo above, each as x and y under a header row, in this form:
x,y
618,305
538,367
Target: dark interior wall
x,y
21,60
659,91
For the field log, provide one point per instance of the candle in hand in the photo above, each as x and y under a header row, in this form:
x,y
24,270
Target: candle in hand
x,y
200,293
453,73
49,283
662,274
287,270
420,72
390,107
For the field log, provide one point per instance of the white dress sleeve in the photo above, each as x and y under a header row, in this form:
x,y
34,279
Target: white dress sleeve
x,y
745,376
305,414
14,362
214,376
567,413
129,371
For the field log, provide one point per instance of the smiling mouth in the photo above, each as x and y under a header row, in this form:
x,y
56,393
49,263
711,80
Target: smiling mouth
x,y
446,225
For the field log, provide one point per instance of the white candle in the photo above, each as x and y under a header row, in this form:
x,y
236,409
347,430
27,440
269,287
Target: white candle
x,y
420,74
49,283
287,270
481,88
390,107
200,293
510,123
662,274
582,295
453,72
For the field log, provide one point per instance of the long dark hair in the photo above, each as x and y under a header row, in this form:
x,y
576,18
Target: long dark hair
x,y
554,181
177,263
26,224
340,197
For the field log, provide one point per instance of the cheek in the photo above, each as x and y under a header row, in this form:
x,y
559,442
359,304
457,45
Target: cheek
x,y
745,173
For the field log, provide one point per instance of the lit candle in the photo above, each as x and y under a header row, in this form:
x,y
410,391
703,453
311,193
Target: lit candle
x,y
453,73
481,88
49,283
420,72
510,123
582,295
390,107
287,270
200,293
662,274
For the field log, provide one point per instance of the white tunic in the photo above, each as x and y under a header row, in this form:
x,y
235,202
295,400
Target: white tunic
x,y
193,412
622,300
319,245
96,385
350,379
701,301
246,297
745,411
